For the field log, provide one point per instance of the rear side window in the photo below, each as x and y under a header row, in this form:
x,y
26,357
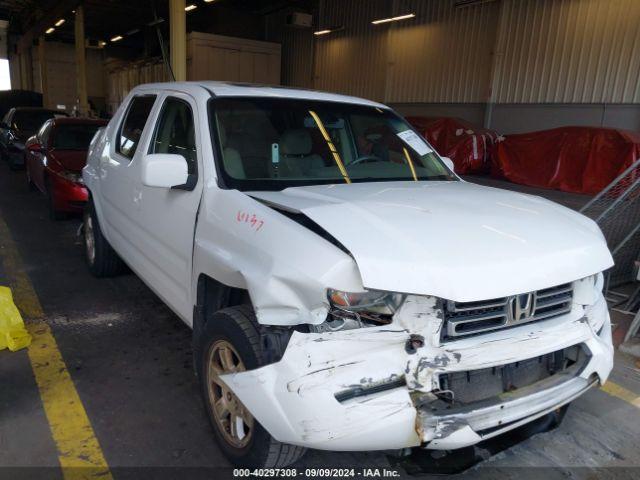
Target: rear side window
x,y
175,132
74,136
133,125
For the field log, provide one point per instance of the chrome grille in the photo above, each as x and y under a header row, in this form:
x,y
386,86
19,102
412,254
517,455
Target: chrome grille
x,y
470,318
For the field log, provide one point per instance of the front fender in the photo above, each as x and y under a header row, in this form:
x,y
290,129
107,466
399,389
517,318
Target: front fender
x,y
285,267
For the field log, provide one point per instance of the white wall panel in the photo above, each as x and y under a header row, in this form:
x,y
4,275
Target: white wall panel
x,y
352,61
546,51
569,51
444,55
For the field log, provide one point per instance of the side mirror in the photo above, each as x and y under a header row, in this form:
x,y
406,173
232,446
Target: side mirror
x,y
449,163
35,148
164,170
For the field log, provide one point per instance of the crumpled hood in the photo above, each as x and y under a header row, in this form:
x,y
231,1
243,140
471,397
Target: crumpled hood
x,y
454,240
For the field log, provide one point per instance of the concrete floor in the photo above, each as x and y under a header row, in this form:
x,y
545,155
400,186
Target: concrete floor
x,y
130,360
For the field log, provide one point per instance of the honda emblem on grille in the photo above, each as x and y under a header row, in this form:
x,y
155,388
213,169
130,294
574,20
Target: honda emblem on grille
x,y
521,308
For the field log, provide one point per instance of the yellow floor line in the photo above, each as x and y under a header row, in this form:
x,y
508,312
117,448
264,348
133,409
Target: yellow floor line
x,y
79,452
622,393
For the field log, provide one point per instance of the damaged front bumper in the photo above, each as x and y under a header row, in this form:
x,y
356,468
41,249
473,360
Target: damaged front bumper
x,y
372,389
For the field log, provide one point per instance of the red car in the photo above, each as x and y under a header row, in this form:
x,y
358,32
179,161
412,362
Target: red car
x,y
54,160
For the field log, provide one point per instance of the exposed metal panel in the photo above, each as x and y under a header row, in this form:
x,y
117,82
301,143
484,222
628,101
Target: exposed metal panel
x,y
444,55
352,61
570,51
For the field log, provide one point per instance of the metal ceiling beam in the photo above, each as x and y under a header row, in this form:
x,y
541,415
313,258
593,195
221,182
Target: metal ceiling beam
x,y
62,8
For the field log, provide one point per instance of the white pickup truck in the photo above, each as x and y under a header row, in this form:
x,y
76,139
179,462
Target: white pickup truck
x,y
346,290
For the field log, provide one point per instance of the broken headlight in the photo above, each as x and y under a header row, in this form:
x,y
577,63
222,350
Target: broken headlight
x,y
372,301
587,290
360,309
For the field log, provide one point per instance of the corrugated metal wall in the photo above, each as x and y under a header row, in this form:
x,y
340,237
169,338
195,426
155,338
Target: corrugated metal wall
x,y
296,52
444,55
569,51
548,51
352,61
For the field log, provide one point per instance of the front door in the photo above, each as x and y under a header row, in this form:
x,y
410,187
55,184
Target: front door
x,y
167,217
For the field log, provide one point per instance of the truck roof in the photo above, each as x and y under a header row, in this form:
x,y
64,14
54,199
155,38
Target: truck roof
x,y
231,89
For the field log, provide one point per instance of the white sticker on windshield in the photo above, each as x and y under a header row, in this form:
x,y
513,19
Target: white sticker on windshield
x,y
414,141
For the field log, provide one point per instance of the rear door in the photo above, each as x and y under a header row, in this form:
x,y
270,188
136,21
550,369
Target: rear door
x,y
167,217
120,186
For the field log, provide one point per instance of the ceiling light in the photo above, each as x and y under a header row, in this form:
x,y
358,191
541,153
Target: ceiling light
x,y
333,29
188,8
50,30
133,32
394,19
102,43
116,38
59,22
209,1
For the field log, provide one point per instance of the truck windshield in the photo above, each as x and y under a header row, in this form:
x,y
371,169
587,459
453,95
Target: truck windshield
x,y
272,144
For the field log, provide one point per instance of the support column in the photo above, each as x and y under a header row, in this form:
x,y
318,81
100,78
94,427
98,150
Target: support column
x,y
178,39
23,72
81,62
28,60
42,61
26,70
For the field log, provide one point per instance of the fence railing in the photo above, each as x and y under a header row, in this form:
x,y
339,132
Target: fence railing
x,y
616,209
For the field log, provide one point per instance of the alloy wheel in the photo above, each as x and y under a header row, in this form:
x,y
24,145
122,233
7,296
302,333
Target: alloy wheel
x,y
232,418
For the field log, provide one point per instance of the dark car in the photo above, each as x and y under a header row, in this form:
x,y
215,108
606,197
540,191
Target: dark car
x,y
17,126
54,159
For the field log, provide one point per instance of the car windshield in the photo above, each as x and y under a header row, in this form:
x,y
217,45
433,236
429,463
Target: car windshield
x,y
74,136
32,120
272,144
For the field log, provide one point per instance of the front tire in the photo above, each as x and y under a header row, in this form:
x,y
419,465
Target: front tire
x,y
102,259
230,342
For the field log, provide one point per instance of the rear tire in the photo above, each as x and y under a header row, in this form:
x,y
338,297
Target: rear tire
x,y
235,329
102,259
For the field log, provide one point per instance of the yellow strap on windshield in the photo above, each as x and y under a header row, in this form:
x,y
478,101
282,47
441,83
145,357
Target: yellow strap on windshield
x,y
410,162
332,147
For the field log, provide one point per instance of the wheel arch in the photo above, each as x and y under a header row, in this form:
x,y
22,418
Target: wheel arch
x,y
211,296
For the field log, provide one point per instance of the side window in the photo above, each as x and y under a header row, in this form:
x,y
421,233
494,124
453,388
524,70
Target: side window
x,y
133,125
175,132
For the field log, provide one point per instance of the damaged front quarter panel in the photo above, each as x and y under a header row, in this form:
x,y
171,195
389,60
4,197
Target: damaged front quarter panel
x,y
348,389
286,268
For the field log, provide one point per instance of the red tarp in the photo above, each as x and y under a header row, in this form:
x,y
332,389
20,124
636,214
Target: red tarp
x,y
468,146
571,159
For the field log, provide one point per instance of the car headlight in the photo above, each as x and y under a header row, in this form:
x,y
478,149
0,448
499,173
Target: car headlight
x,y
373,301
587,290
351,310
71,176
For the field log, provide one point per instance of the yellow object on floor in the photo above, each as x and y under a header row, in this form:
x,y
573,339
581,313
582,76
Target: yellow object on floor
x,y
13,335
